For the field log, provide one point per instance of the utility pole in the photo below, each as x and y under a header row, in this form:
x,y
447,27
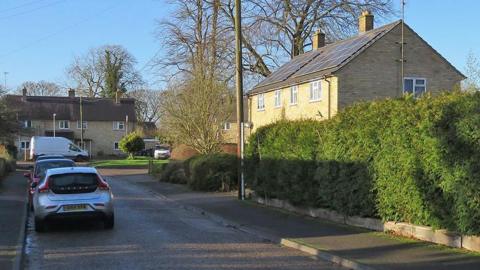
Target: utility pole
x,y
81,123
239,90
54,124
402,59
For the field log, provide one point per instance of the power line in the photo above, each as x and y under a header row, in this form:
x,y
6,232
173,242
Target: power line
x,y
58,32
31,10
20,6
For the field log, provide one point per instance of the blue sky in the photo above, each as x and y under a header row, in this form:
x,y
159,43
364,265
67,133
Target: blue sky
x,y
41,37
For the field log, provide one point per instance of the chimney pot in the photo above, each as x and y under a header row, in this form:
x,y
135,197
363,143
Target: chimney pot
x,y
71,92
365,22
318,40
24,92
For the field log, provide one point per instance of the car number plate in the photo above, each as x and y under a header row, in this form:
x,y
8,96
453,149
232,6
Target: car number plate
x,y
75,207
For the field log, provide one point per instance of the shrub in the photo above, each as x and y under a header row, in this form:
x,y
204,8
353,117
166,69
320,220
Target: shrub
x,y
214,172
157,169
174,172
131,143
412,160
3,167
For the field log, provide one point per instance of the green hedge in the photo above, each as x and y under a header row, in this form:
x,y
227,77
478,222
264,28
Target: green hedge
x,y
399,159
3,167
214,172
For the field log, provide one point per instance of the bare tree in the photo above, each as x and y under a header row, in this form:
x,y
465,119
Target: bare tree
x,y
193,113
147,104
104,70
40,88
275,30
472,71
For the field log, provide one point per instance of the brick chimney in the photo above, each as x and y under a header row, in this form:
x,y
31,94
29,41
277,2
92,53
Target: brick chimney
x,y
24,93
118,96
318,40
71,92
365,22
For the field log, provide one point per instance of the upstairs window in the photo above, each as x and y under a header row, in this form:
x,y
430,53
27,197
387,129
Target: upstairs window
x,y
315,91
415,86
278,101
25,145
63,124
261,102
226,126
293,95
119,125
79,125
27,123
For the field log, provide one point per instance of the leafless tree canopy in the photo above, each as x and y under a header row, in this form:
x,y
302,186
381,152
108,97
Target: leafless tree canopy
x,y
147,104
40,88
472,71
273,30
193,113
102,69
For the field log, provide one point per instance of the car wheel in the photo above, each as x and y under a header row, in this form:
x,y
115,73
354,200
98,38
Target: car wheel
x,y
109,222
39,225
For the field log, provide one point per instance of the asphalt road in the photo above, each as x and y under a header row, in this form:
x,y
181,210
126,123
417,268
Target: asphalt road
x,y
154,233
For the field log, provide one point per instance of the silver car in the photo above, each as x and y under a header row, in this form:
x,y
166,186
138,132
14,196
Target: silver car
x,y
74,192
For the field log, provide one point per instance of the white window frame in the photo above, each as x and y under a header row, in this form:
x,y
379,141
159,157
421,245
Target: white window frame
x,y
294,95
316,91
227,126
117,124
64,126
27,123
261,105
278,98
117,144
24,145
414,85
85,124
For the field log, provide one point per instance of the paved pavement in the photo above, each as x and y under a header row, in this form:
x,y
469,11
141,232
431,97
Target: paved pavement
x,y
12,211
376,250
152,232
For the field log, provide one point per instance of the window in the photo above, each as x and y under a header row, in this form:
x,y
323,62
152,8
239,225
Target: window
x,y
63,124
293,95
115,146
73,148
415,86
261,102
226,126
278,101
25,145
85,125
118,125
27,123
315,91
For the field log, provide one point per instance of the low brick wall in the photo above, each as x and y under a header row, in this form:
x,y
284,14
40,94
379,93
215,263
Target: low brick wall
x,y
423,233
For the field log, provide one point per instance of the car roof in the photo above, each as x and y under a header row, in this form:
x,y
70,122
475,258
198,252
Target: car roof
x,y
53,160
67,170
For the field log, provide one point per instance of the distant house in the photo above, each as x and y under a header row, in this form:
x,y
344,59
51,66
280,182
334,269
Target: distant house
x,y
229,128
319,83
105,120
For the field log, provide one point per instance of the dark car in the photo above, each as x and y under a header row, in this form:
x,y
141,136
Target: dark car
x,y
39,170
49,157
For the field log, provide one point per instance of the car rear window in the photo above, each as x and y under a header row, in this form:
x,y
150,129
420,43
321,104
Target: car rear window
x,y
73,183
42,167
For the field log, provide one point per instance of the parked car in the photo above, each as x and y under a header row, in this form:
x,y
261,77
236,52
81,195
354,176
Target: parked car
x,y
41,146
49,157
39,170
145,152
162,152
75,192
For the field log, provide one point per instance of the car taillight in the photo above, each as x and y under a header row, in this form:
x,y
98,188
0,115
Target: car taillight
x,y
102,185
44,187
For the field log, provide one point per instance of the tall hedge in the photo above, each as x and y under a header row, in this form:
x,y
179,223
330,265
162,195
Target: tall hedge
x,y
413,160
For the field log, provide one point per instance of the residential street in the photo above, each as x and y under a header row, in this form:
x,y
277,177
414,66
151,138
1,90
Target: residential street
x,y
155,233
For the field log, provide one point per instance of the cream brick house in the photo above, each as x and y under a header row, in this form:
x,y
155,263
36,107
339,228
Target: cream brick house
x,y
319,83
105,120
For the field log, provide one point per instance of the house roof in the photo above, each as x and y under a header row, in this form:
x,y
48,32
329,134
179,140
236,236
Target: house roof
x,y
321,62
68,108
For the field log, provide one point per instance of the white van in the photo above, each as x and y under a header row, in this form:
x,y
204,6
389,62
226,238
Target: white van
x,y
40,146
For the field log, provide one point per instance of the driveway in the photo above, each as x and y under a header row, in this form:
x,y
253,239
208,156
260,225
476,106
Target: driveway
x,y
155,233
